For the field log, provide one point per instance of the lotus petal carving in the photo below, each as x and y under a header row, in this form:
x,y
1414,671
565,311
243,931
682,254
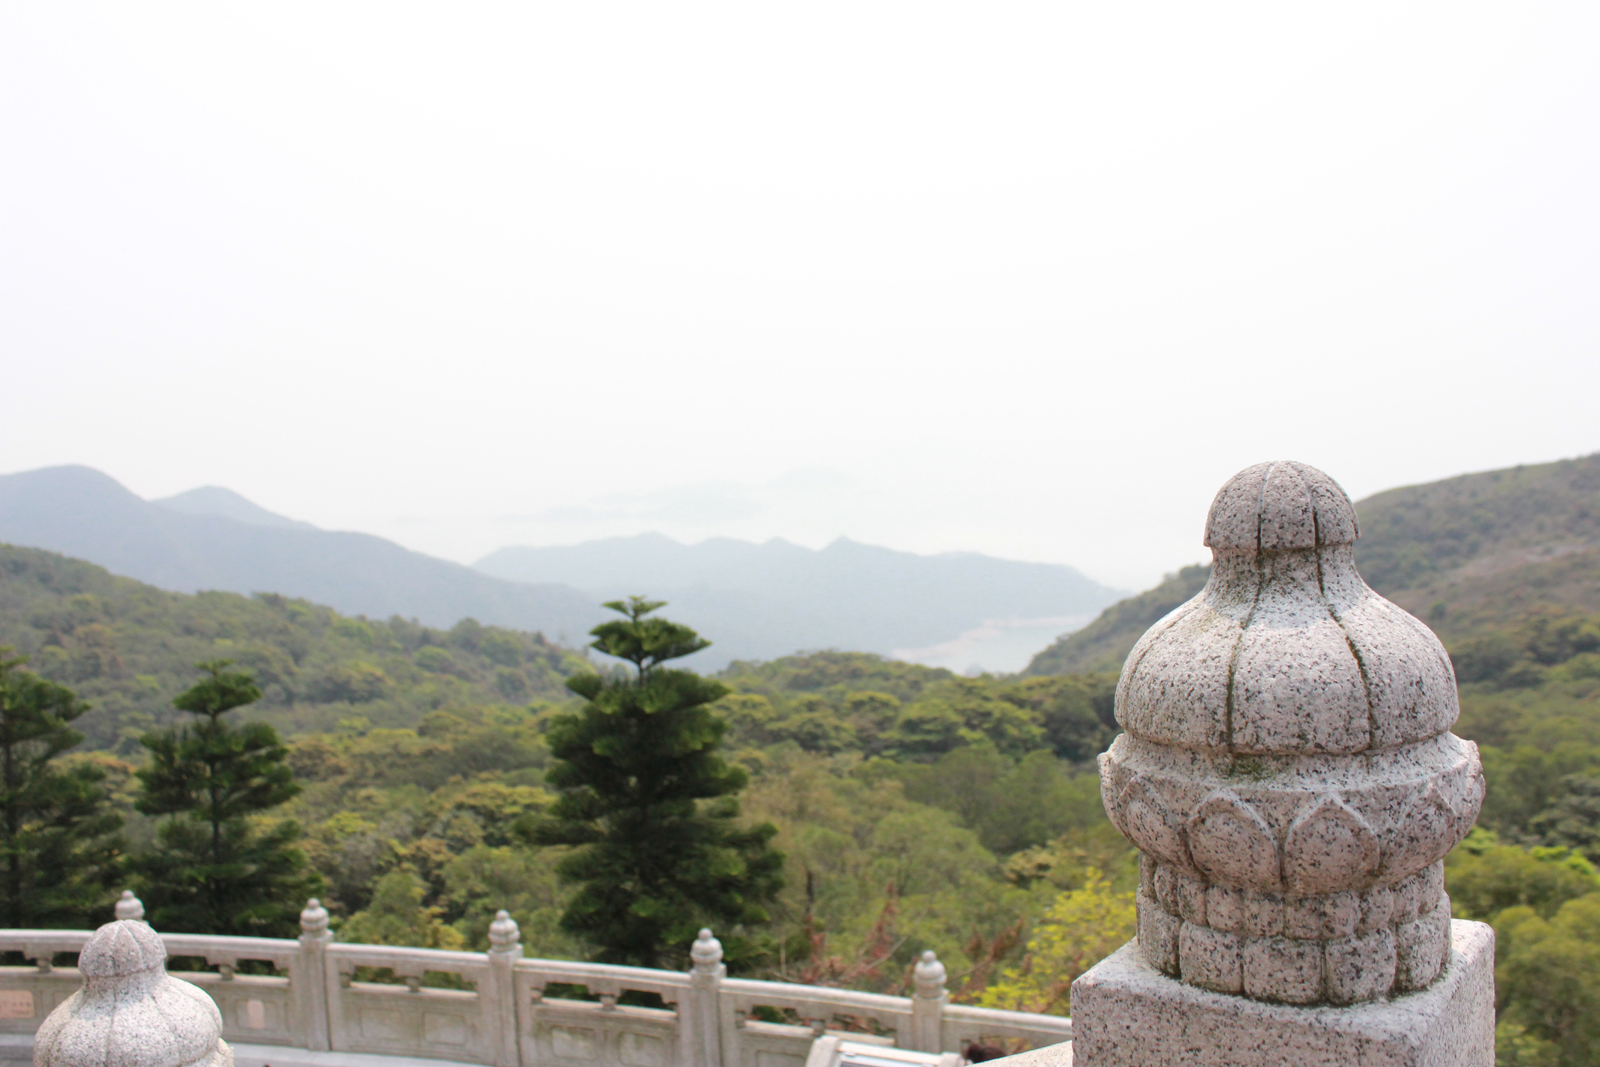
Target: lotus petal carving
x,y
1149,825
1426,832
1232,844
1329,848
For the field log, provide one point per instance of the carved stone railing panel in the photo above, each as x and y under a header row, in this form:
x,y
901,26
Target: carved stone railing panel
x,y
313,1001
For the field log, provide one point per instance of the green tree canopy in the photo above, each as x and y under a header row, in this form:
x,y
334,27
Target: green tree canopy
x,y
214,870
59,853
648,803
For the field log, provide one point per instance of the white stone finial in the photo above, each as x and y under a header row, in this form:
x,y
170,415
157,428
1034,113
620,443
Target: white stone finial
x,y
504,934
130,1011
929,976
1287,767
314,919
130,906
706,952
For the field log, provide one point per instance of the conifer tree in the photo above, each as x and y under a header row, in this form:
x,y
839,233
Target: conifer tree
x,y
650,804
214,870
59,851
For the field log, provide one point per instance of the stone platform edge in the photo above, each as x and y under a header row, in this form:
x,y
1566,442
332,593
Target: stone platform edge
x,y
18,1048
1125,1013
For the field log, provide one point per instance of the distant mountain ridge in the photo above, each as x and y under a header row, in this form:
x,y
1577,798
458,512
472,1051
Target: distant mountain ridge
x,y
845,596
175,545
226,504
1463,554
755,602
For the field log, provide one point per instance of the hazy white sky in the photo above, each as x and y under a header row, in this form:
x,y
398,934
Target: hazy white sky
x,y
1028,279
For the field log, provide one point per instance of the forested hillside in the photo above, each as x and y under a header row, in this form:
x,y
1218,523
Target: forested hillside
x,y
1105,642
129,648
1468,554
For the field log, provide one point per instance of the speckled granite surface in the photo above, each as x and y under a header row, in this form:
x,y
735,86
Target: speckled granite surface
x,y
1125,1013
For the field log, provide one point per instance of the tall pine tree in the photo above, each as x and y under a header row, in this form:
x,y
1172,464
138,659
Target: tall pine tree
x,y
59,851
215,869
650,804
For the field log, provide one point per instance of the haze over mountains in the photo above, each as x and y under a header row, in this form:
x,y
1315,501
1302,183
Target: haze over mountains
x,y
847,595
754,601
181,546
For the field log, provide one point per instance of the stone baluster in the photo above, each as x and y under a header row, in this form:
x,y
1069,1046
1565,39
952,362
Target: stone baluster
x,y
129,906
700,1017
1288,772
310,976
505,949
928,1004
130,1012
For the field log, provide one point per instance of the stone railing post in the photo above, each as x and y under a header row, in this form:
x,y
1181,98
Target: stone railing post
x,y
700,1017
505,949
1288,772
130,906
311,978
927,1006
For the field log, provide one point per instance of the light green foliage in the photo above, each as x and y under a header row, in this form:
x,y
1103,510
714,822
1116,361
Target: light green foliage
x,y
1537,722
873,878
1487,877
484,879
1081,927
380,800
1544,904
1547,975
397,916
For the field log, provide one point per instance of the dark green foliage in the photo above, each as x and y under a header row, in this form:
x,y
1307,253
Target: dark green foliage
x,y
213,871
963,711
641,641
1515,655
129,648
1013,805
1572,819
1077,711
59,853
649,805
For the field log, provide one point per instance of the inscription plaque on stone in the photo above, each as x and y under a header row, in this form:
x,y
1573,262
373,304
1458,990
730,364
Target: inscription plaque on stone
x,y
16,1004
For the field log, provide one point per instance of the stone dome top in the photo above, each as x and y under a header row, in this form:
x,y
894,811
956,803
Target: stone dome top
x,y
130,1012
122,948
1286,650
1280,505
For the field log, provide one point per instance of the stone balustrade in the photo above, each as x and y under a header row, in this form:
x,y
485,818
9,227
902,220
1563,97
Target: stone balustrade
x,y
512,1014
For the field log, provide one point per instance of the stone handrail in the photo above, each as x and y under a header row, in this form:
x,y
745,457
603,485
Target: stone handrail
x,y
316,999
